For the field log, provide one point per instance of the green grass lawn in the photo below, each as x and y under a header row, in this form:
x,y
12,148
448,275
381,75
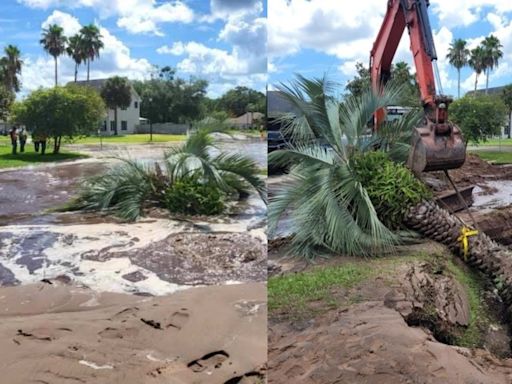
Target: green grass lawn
x,y
29,157
493,142
495,156
130,139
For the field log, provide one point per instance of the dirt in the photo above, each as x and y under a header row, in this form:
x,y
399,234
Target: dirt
x,y
394,328
197,258
54,333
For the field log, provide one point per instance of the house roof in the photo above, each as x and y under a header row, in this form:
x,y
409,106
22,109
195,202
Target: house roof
x,y
99,83
490,91
277,105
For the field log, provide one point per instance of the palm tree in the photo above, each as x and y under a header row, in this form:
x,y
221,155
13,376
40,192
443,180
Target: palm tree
x,y
75,50
335,210
117,93
458,56
54,42
92,44
128,188
11,67
330,210
477,62
493,54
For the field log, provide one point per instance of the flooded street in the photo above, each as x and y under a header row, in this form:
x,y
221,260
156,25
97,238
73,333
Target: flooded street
x,y
154,256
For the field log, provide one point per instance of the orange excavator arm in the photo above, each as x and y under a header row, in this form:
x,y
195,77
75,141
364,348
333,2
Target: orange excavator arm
x,y
437,145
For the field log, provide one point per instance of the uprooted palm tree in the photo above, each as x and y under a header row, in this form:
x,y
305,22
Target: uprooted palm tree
x,y
130,187
348,199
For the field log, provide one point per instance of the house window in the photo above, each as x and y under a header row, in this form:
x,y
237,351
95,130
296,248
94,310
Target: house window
x,y
112,125
104,126
135,104
124,125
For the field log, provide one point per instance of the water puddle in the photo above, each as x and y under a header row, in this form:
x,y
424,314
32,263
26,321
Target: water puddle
x,y
495,194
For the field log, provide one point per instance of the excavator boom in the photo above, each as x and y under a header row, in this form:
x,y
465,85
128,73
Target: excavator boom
x,y
437,145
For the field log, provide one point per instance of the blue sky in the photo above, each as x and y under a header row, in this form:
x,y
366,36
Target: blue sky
x,y
330,36
223,41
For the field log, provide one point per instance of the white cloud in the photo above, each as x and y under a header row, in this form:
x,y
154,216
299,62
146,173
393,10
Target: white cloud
x,y
228,9
136,16
115,59
455,13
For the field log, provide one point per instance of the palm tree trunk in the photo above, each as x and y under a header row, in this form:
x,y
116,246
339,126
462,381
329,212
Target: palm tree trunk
x,y
458,83
476,81
76,71
55,59
494,260
487,80
88,67
115,121
509,123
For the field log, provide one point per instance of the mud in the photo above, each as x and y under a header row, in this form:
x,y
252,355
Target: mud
x,y
54,333
196,258
372,344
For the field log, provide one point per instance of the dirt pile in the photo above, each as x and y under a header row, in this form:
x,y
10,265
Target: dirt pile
x,y
53,333
371,344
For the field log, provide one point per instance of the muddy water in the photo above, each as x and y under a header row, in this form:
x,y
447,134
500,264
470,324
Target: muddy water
x,y
500,194
108,255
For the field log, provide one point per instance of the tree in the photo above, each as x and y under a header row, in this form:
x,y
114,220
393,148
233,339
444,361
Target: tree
x,y
493,53
59,112
6,100
54,42
400,74
10,66
458,56
478,117
92,44
236,101
477,62
507,100
128,188
76,51
172,99
117,93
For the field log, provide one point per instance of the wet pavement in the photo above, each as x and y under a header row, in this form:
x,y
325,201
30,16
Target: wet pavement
x,y
152,256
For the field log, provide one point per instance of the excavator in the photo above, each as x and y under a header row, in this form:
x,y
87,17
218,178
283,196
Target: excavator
x,y
437,144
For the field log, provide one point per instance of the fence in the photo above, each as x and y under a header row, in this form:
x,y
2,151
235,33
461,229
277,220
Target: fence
x,y
164,128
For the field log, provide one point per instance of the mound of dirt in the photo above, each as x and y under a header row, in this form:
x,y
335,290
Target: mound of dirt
x,y
372,344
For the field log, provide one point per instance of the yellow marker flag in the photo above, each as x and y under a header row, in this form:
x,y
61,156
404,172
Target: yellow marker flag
x,y
463,238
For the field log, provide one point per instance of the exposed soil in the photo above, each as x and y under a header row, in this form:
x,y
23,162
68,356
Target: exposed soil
x,y
398,331
59,334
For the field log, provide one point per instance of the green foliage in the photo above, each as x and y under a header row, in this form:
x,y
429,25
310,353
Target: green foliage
x,y
10,68
329,208
192,179
458,56
506,96
400,74
91,44
117,93
478,116
172,99
240,100
61,112
392,187
192,197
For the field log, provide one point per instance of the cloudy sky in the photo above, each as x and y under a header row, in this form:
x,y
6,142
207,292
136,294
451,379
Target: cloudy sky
x,y
223,41
318,36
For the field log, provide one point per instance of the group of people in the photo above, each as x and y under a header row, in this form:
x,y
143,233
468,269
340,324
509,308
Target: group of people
x,y
21,136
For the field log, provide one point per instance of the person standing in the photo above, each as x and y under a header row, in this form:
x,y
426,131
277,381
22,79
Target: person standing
x,y
14,139
23,139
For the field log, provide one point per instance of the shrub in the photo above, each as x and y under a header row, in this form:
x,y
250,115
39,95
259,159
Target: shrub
x,y
392,187
191,197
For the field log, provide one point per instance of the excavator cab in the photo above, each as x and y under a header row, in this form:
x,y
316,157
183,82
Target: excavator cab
x,y
437,144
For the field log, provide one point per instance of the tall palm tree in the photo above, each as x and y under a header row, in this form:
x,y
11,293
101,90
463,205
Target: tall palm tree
x,y
75,50
477,62
11,67
493,54
458,56
92,44
54,42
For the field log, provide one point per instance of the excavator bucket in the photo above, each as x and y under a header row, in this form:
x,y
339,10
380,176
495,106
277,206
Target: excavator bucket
x,y
436,147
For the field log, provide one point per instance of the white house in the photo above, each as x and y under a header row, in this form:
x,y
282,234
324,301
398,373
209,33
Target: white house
x,y
127,118
247,120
